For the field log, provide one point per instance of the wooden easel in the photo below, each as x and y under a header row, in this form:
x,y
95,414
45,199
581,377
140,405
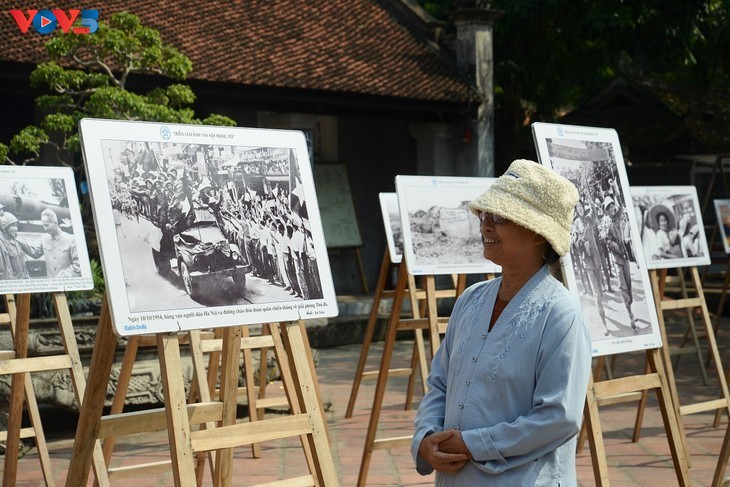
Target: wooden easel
x,y
212,343
21,390
306,421
722,460
419,356
656,379
433,323
723,403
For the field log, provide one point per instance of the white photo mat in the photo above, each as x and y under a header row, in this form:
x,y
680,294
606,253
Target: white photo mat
x,y
722,211
591,158
440,234
393,225
245,194
42,265
670,225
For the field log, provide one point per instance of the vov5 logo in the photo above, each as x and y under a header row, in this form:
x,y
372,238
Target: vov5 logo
x,y
46,21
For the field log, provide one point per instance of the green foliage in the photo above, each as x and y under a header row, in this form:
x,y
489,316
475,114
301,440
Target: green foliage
x,y
86,76
28,141
552,55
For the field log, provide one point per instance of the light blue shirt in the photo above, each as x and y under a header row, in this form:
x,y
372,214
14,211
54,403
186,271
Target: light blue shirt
x,y
517,392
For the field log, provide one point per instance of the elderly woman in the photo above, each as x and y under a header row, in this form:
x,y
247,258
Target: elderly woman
x,y
508,384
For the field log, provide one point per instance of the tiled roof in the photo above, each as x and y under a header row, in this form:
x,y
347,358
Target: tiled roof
x,y
343,46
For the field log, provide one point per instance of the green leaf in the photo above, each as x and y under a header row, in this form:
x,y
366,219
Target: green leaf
x,y
58,122
28,141
222,120
4,150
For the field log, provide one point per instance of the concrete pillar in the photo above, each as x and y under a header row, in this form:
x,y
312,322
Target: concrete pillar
x,y
433,148
474,20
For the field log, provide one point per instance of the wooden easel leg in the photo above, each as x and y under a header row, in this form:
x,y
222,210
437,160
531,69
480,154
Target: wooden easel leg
x,y
671,421
17,392
290,388
202,391
178,424
361,268
303,378
312,370
32,404
419,309
369,332
91,408
263,369
40,437
125,375
250,390
592,423
717,479
416,359
691,331
667,363
382,378
433,320
77,377
640,410
228,395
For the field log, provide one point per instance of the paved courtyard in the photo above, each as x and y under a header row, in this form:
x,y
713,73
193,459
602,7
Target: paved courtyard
x,y
644,463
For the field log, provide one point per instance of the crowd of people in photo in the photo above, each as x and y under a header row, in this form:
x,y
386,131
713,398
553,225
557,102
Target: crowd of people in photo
x,y
56,247
266,221
601,248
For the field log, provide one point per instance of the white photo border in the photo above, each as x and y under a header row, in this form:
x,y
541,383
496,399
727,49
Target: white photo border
x,y
95,132
595,153
722,212
425,192
38,175
387,200
672,200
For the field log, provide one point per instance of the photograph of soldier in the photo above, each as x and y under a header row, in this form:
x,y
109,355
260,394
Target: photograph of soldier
x,y
59,248
672,232
210,225
603,254
37,238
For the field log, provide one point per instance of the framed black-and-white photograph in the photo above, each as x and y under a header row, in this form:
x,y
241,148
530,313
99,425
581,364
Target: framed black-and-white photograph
x,y
440,234
606,265
42,242
203,226
722,211
670,225
393,225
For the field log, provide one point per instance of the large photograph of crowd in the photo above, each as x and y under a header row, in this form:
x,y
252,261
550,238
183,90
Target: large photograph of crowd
x,y
670,223
605,265
42,243
203,226
440,234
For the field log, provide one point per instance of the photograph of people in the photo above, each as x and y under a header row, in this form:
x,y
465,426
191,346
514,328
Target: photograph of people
x,y
671,233
14,251
37,237
59,248
508,384
606,272
210,225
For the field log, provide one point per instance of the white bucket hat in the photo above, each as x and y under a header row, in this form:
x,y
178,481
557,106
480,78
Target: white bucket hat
x,y
533,196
